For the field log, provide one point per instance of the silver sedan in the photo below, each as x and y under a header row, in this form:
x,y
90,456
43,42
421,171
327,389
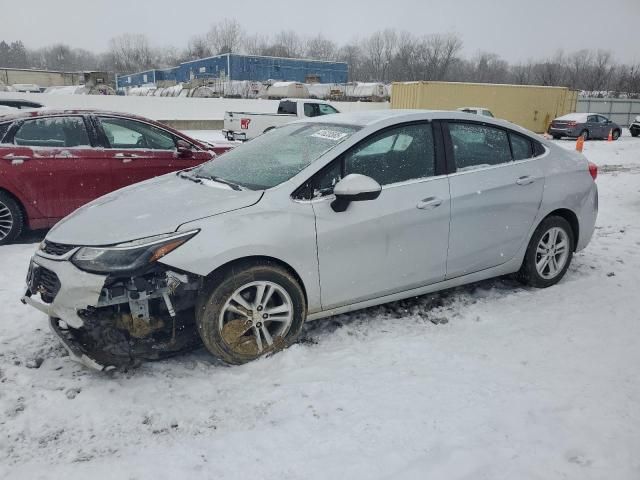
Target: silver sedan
x,y
312,219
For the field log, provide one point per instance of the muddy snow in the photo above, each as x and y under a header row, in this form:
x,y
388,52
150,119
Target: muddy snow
x,y
489,381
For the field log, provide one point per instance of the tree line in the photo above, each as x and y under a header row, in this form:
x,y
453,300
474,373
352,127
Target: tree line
x,y
384,56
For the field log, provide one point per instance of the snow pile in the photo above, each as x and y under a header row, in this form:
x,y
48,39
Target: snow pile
x,y
491,380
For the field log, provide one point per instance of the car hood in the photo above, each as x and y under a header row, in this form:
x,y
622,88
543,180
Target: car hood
x,y
153,207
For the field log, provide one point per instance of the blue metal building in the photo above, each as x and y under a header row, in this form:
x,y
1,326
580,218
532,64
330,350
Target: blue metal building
x,y
243,67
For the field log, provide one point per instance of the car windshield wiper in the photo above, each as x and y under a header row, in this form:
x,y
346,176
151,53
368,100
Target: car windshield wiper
x,y
188,176
213,178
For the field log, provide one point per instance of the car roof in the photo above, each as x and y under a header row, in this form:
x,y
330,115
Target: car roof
x,y
372,117
52,112
48,112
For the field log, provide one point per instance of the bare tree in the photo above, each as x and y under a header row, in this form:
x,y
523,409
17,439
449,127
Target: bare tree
x,y
256,44
198,48
552,71
225,36
131,53
320,48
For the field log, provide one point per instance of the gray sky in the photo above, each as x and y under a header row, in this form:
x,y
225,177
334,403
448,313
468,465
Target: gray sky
x,y
516,30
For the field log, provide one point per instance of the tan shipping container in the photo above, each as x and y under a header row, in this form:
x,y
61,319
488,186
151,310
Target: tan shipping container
x,y
532,107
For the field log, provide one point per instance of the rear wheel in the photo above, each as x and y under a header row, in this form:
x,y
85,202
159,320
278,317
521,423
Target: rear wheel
x,y
11,219
549,253
250,311
634,133
615,135
557,137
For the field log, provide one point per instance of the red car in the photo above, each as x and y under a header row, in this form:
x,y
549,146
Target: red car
x,y
53,161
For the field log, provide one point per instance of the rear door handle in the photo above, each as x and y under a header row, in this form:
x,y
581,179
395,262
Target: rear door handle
x,y
429,203
126,155
526,180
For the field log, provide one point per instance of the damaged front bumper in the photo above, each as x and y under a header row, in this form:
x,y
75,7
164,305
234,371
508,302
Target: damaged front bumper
x,y
73,347
106,322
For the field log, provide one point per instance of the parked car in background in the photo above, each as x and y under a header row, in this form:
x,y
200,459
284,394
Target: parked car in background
x,y
19,104
53,161
485,112
634,128
585,125
245,126
26,88
313,219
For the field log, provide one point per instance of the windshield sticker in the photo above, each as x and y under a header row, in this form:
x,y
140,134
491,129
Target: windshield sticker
x,y
330,135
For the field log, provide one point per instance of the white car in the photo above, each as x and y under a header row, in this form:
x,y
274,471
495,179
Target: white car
x,y
485,112
316,218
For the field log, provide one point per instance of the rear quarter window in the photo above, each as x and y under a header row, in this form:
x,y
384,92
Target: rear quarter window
x,y
520,146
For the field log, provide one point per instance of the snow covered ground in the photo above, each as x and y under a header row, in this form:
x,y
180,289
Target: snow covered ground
x,y
490,381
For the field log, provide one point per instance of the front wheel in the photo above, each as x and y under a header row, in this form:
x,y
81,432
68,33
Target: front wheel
x,y
549,253
11,219
585,134
615,135
250,311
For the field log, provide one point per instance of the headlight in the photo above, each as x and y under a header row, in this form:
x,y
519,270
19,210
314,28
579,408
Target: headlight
x,y
129,256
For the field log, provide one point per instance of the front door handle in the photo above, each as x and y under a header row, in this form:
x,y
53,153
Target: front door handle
x,y
14,157
126,155
429,203
526,180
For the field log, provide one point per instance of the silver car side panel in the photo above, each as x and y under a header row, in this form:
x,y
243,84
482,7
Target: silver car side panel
x,y
393,243
509,267
275,227
492,214
569,186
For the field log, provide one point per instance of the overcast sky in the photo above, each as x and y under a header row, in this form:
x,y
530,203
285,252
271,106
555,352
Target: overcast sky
x,y
517,29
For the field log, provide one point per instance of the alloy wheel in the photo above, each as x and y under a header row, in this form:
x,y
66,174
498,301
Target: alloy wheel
x,y
552,253
6,221
256,318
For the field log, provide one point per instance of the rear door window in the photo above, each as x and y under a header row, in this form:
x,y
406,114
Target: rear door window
x,y
477,146
61,132
126,134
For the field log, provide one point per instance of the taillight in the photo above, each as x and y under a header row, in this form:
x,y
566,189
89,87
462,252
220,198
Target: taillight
x,y
593,170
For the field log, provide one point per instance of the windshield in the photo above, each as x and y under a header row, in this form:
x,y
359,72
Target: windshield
x,y
276,156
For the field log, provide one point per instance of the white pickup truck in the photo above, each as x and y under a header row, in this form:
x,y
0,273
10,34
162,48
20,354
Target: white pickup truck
x,y
245,126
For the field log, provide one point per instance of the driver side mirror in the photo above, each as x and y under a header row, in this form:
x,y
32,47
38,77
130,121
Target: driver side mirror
x,y
354,188
184,148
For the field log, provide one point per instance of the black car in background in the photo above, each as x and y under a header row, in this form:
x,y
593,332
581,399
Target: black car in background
x,y
634,128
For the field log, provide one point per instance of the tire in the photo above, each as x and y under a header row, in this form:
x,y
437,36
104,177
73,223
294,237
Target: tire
x,y
234,336
557,137
529,273
584,134
634,133
11,219
615,135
